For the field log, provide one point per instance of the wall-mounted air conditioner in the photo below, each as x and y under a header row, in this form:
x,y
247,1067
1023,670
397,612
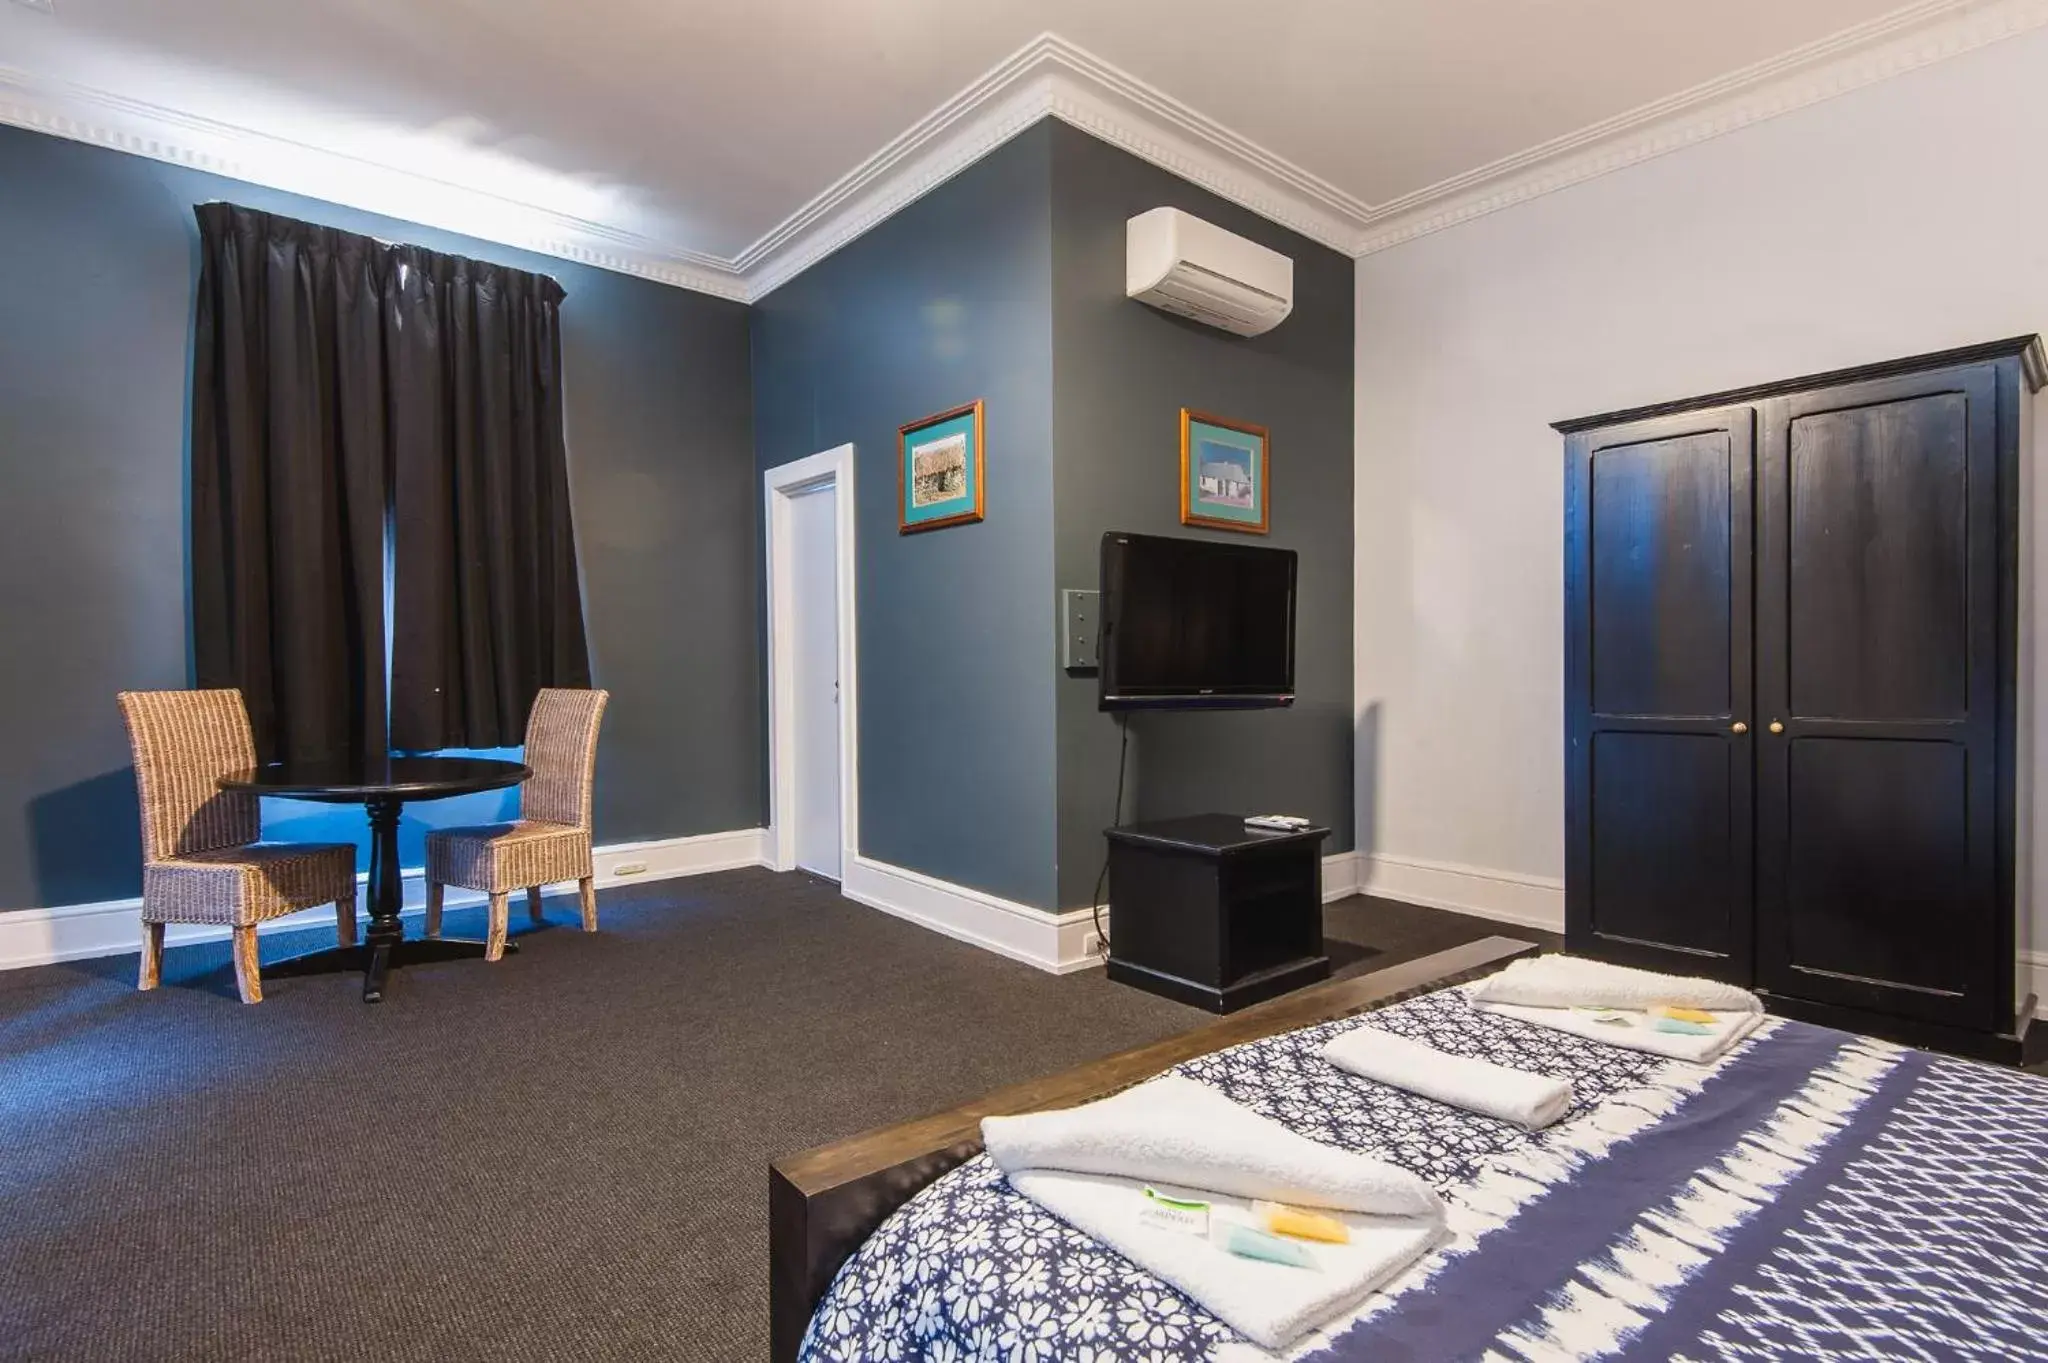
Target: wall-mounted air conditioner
x,y
1180,264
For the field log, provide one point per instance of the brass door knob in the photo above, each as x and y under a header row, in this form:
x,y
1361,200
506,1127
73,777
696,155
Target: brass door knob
x,y
1776,727
1738,727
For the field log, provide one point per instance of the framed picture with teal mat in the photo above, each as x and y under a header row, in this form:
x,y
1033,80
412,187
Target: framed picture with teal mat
x,y
939,474
1223,473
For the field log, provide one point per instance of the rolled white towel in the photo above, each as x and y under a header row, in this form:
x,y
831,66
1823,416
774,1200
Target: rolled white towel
x,y
1529,1100
1574,982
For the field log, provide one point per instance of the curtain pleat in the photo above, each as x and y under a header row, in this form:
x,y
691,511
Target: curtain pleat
x,y
489,609
288,480
352,397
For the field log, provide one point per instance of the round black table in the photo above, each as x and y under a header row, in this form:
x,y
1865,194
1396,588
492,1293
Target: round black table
x,y
381,785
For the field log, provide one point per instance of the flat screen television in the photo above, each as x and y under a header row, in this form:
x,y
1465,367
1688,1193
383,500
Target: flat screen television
x,y
1195,624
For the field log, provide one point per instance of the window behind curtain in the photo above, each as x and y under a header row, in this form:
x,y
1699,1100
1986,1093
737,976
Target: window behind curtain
x,y
354,400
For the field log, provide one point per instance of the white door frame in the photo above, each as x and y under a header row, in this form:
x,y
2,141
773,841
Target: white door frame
x,y
833,468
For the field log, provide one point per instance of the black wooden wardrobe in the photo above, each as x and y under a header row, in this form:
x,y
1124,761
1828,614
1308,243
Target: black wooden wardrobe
x,y
1791,641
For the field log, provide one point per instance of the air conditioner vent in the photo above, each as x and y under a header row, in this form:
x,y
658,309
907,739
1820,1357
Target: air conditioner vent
x,y
1177,263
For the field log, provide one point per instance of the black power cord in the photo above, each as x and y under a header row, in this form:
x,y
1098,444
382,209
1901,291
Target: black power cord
x,y
1116,819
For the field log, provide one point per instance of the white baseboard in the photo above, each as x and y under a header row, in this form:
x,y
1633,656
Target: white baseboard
x,y
1080,944
1057,942
667,858
2033,977
76,931
1531,901
1504,896
1343,875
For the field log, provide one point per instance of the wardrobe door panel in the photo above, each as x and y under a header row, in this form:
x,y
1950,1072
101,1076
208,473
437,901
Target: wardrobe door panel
x,y
1878,689
1665,841
1662,601
1879,539
1658,682
1883,860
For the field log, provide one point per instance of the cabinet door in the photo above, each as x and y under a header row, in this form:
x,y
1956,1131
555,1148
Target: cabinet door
x,y
1878,688
1658,554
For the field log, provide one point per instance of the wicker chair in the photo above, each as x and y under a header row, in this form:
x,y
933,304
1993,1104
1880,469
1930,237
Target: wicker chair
x,y
202,858
550,841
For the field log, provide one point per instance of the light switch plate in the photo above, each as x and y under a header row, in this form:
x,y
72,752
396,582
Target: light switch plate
x,y
1080,617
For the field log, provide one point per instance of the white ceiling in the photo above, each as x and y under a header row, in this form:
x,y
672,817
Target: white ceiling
x,y
690,135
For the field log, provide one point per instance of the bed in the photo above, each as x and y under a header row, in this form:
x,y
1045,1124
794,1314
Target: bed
x,y
1813,1194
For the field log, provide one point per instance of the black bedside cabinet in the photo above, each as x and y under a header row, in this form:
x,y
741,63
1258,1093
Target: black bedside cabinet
x,y
1206,911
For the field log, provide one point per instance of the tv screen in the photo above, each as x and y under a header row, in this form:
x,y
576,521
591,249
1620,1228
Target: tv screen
x,y
1195,623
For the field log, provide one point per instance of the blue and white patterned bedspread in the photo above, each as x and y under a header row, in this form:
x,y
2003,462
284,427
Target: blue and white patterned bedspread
x,y
1813,1196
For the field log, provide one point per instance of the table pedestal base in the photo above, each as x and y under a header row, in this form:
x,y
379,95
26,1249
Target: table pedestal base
x,y
381,785
385,946
377,959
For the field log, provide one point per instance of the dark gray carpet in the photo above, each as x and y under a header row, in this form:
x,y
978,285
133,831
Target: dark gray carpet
x,y
562,1157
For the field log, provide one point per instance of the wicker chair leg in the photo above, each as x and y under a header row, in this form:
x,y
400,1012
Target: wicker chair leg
x,y
533,904
433,908
586,888
494,944
345,921
248,976
152,956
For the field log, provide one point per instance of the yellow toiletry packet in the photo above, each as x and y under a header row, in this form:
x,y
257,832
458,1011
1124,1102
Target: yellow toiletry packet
x,y
1281,1219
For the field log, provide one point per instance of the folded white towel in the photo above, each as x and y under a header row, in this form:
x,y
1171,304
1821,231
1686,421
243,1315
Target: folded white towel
x,y
1573,981
1270,1304
1530,1100
1640,1034
1090,1165
1175,1130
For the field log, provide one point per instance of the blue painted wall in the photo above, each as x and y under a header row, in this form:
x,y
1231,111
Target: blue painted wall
x,y
98,262
1122,372
948,301
982,762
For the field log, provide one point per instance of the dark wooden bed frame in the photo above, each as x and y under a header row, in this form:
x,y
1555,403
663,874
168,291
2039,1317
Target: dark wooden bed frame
x,y
824,1203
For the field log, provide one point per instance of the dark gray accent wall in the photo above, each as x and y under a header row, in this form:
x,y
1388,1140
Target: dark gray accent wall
x,y
1121,373
982,763
98,261
948,301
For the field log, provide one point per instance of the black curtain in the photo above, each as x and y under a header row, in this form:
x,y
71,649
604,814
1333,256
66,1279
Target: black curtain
x,y
487,609
289,453
353,399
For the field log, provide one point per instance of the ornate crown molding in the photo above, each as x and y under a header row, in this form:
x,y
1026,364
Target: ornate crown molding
x,y
106,119
1047,77
1892,44
1050,76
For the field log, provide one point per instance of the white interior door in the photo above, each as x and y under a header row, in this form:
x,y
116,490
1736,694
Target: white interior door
x,y
814,602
